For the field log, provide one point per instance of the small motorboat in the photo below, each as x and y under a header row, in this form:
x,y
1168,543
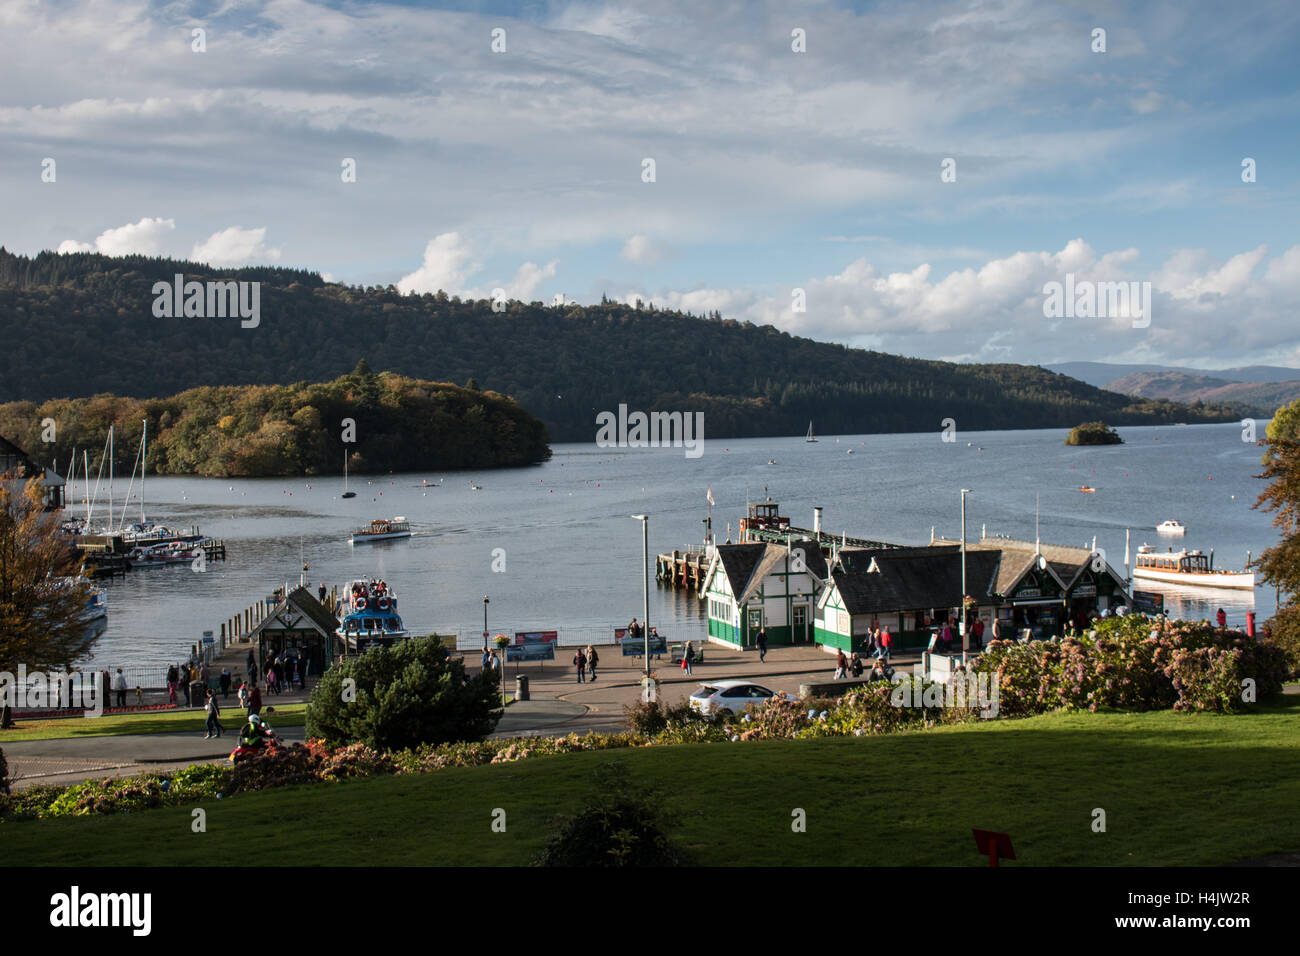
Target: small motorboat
x,y
1087,490
1171,527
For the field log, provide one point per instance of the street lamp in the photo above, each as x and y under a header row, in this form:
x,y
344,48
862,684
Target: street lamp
x,y
964,639
645,584
485,630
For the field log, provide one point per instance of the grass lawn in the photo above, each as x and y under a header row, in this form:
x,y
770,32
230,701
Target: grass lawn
x,y
1176,789
150,722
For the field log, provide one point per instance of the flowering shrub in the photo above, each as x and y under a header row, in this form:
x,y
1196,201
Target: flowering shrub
x,y
4,773
1134,663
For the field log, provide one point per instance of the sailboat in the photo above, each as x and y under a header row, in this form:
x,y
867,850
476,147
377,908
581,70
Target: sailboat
x,y
810,433
346,493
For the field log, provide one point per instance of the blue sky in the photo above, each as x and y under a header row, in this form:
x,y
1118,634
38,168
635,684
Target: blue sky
x,y
775,170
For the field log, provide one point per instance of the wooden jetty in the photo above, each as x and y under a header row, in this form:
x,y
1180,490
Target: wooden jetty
x,y
683,569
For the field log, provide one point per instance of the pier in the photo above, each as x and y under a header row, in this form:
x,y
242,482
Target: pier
x,y
683,569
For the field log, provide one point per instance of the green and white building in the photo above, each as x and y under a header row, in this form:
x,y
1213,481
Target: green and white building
x,y
750,587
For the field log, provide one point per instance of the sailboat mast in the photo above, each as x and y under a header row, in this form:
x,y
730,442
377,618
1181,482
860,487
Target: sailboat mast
x,y
144,438
110,478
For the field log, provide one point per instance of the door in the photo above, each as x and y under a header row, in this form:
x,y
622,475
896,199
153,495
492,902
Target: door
x,y
755,625
799,631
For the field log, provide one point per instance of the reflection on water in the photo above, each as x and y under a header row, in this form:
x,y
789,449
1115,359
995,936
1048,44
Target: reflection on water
x,y
1203,604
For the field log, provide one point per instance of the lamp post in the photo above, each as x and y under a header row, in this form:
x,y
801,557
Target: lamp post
x,y
485,630
964,638
645,584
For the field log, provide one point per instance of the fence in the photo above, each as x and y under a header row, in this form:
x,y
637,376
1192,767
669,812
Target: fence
x,y
471,638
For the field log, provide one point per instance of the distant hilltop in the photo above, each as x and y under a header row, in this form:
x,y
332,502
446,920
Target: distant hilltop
x,y
76,325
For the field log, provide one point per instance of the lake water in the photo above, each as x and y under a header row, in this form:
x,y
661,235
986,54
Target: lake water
x,y
573,553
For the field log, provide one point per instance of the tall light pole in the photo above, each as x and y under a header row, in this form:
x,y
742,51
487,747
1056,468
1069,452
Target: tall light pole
x,y
964,493
645,584
485,630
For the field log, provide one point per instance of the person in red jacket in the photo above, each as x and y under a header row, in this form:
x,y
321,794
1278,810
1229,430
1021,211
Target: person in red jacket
x,y
254,701
1221,618
885,643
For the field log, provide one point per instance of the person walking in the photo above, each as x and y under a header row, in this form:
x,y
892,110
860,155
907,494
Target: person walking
x,y
977,632
886,642
841,664
254,701
592,660
225,682
243,697
272,680
487,658
119,685
214,715
252,666
762,644
172,677
580,661
688,657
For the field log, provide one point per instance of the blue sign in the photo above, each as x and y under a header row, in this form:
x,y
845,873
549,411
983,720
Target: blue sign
x,y
1149,602
532,646
635,646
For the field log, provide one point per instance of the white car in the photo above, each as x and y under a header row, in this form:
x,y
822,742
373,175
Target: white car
x,y
729,697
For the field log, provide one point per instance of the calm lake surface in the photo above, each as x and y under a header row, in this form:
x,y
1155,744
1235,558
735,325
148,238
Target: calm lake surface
x,y
573,553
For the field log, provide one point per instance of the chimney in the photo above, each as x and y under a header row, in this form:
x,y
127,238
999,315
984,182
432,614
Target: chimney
x,y
817,519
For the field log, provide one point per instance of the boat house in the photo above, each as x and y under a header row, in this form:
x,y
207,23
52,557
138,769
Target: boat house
x,y
300,625
902,589
17,468
754,586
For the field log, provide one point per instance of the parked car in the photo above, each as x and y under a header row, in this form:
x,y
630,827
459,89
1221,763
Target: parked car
x,y
729,697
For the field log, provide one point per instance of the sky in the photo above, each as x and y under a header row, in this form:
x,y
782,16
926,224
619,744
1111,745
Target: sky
x,y
909,177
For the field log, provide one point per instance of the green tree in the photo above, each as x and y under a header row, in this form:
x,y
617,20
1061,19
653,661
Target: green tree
x,y
1285,424
392,698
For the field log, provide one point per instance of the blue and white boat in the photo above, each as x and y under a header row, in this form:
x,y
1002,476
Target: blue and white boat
x,y
368,615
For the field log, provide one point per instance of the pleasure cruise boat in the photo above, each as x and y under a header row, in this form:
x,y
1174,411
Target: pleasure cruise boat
x,y
1190,568
368,615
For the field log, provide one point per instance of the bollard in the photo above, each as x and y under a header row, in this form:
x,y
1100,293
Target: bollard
x,y
1250,623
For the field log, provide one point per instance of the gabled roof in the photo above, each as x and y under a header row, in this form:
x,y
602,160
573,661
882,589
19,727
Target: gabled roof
x,y
1066,563
302,600
911,579
746,565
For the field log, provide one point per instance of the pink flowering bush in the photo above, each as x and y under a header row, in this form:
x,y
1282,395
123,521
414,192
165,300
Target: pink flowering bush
x,y
1134,663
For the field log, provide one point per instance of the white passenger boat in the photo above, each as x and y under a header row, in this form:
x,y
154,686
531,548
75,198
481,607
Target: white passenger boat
x,y
1169,527
382,529
1190,568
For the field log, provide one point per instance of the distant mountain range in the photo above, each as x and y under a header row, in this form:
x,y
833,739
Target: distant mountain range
x,y
1256,390
75,325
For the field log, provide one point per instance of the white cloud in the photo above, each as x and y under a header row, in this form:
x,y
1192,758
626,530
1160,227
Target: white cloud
x,y
1200,307
148,237
234,246
449,261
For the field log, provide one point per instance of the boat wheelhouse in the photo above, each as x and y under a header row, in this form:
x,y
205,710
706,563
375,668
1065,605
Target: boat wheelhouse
x,y
368,612
382,529
1192,568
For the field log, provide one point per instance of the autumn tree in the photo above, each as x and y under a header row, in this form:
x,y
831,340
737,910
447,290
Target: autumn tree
x,y
42,620
1280,564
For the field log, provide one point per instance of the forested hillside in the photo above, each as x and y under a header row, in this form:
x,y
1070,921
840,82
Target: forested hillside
x,y
382,422
77,325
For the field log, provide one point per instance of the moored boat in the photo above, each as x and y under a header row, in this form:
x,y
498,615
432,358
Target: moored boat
x,y
368,615
1191,568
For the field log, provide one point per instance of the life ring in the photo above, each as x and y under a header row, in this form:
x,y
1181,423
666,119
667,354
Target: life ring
x,y
358,601
383,602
